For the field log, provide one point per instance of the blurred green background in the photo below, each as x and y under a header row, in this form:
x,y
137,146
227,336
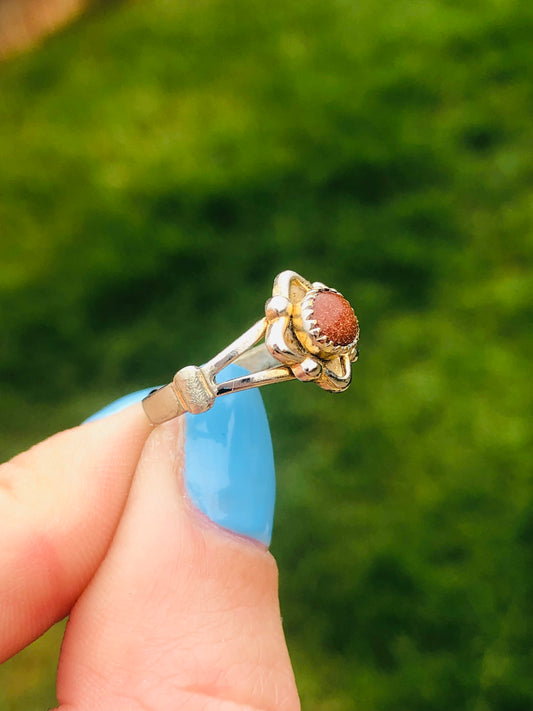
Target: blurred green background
x,y
161,161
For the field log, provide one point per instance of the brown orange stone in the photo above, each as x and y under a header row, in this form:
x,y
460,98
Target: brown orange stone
x,y
335,318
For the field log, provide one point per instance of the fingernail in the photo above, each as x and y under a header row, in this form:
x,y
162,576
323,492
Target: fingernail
x,y
229,463
121,404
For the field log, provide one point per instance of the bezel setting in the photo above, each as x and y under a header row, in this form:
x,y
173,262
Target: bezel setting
x,y
310,333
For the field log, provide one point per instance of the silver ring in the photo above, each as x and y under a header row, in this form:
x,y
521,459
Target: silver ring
x,y
310,332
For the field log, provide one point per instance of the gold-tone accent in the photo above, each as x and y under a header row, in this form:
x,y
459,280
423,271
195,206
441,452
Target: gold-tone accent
x,y
292,349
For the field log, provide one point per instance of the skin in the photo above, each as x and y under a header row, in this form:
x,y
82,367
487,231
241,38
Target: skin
x,y
167,610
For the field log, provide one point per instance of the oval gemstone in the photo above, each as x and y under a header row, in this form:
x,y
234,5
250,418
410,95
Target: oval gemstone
x,y
335,318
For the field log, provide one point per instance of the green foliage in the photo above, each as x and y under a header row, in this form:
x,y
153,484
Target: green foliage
x,y
162,161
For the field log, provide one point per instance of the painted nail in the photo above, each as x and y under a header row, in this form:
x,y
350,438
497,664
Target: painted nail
x,y
229,463
121,404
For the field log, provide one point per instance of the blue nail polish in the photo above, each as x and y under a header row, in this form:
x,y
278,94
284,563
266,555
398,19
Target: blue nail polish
x,y
121,404
229,464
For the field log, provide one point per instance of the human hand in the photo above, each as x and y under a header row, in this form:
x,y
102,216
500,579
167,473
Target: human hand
x,y
168,610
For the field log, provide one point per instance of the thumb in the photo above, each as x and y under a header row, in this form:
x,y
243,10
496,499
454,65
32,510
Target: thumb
x,y
183,613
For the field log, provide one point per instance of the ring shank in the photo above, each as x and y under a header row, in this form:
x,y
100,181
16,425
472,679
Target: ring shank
x,y
162,405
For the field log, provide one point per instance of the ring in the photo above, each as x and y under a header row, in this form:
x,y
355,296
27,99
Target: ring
x,y
310,333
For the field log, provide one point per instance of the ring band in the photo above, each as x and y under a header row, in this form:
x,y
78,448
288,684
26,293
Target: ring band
x,y
310,332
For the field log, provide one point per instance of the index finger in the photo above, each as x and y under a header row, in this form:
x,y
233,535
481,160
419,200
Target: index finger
x,y
60,503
